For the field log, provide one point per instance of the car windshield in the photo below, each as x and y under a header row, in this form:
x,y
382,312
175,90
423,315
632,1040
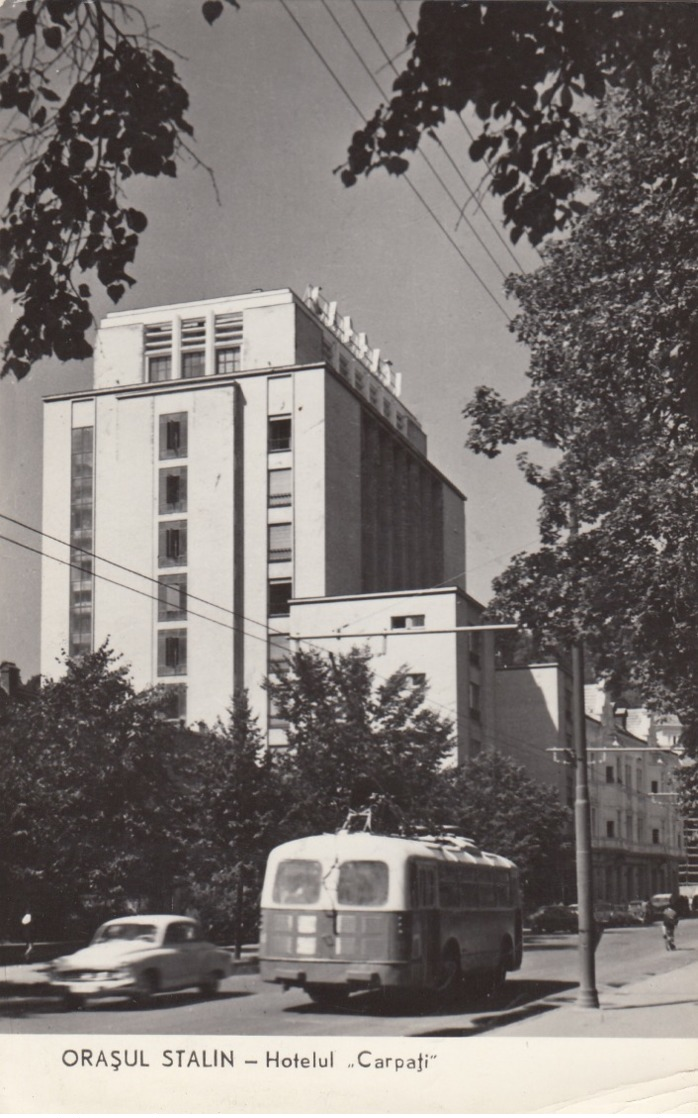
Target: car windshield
x,y
108,932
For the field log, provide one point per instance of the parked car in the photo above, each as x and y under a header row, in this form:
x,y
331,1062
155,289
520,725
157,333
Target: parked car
x,y
640,911
138,956
659,902
553,918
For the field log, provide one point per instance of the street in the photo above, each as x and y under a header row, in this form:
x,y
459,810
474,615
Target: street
x,y
247,1007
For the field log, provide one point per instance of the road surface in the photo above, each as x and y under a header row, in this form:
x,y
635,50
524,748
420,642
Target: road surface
x,y
247,1007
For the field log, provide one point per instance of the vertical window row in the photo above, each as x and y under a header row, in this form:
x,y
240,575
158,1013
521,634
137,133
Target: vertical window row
x,y
81,540
172,552
279,543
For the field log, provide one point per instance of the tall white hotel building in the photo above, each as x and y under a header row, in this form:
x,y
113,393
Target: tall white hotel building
x,y
244,475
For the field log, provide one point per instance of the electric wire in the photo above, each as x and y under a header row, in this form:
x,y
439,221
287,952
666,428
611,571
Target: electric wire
x,y
461,208
460,118
439,178
453,716
405,178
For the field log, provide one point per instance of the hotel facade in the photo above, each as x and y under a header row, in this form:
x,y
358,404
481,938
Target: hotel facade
x,y
244,471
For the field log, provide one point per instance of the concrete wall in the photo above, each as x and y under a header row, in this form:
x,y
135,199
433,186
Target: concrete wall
x,y
342,455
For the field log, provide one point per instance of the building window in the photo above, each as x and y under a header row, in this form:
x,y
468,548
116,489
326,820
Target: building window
x,y
416,679
279,543
386,408
173,490
474,696
655,836
228,360
173,435
279,488
279,599
343,366
172,652
280,434
400,422
174,701
410,621
160,368
610,828
654,787
81,516
172,598
359,380
193,364
610,774
373,395
474,647
172,550
279,650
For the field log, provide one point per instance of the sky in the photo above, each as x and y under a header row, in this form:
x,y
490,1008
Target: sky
x,y
272,122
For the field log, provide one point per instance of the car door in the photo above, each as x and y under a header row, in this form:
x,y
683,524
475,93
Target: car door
x,y
174,960
196,952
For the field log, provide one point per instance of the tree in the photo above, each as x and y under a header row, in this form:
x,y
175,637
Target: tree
x,y
235,806
530,72
496,803
94,100
611,321
352,738
93,795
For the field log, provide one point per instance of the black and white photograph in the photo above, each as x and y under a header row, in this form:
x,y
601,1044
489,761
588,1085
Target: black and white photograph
x,y
349,556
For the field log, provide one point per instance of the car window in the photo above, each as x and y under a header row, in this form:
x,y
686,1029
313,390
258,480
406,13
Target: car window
x,y
176,933
126,931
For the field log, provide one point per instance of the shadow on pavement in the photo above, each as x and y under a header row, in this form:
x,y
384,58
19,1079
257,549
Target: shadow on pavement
x,y
513,997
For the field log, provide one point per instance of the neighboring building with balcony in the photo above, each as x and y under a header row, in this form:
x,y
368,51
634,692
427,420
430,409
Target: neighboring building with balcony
x,y
235,456
637,844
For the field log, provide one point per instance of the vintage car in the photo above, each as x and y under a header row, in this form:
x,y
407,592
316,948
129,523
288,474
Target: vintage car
x,y
553,918
138,956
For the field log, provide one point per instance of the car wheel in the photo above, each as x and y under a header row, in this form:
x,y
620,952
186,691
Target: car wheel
x,y
209,985
147,986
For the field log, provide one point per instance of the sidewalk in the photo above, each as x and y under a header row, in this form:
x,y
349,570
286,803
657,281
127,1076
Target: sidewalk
x,y
665,1005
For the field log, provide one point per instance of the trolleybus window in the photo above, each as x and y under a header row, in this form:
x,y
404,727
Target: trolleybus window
x,y
297,881
362,883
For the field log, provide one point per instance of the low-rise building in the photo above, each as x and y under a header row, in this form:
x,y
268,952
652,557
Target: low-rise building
x,y
637,844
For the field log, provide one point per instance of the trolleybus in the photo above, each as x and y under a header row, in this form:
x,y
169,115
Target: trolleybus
x,y
361,911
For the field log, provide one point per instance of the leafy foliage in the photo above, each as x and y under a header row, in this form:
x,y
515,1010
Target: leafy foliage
x,y
93,101
530,72
610,321
93,804
351,738
495,802
235,805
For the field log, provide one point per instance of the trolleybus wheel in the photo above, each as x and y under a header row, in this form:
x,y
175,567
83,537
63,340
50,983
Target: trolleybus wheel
x,y
328,996
448,978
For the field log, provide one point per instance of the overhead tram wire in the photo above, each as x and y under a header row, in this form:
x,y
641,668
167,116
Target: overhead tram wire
x,y
439,178
125,569
125,586
436,706
406,178
461,208
467,131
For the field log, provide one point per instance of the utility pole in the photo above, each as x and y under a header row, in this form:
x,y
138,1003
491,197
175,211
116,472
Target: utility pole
x,y
587,997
